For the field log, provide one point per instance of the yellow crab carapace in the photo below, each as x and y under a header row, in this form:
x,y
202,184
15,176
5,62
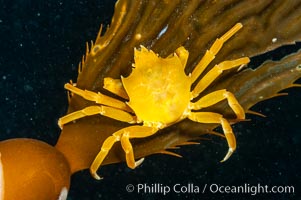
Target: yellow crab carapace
x,y
158,94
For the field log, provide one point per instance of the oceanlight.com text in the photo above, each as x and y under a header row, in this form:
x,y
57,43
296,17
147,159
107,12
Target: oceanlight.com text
x,y
191,188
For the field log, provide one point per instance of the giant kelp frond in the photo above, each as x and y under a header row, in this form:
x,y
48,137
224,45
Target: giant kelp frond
x,y
166,25
271,78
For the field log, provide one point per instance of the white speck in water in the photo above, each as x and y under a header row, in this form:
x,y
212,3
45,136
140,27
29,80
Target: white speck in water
x,y
274,40
28,88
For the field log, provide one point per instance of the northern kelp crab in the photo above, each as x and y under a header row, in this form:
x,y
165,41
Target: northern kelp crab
x,y
159,95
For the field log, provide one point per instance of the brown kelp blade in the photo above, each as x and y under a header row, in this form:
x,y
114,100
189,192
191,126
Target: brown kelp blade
x,y
163,26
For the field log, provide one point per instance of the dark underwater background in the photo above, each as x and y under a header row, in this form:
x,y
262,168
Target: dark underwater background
x,y
41,43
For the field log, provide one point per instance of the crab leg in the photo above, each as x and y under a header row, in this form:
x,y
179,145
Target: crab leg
x,y
134,132
210,54
182,54
217,96
210,117
115,86
113,113
98,98
215,72
123,135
